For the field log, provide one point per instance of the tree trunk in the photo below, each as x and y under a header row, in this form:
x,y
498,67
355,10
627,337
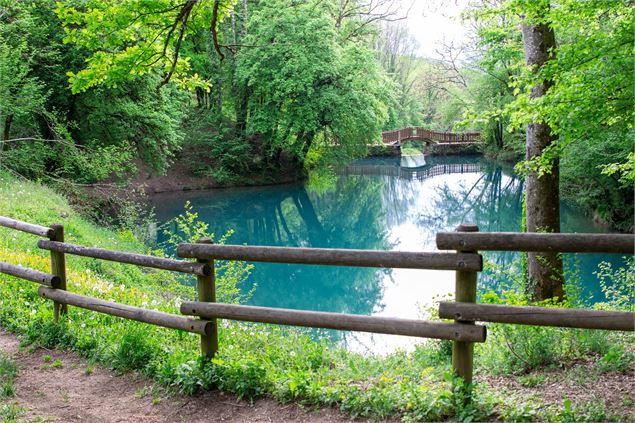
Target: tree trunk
x,y
498,134
7,127
542,192
240,89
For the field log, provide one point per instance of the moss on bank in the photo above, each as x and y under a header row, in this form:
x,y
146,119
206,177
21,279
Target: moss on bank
x,y
254,359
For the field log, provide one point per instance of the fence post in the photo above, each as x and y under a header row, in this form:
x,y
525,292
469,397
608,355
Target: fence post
x,y
58,268
465,288
206,288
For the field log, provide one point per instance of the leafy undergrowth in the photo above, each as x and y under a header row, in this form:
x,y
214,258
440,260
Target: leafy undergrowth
x,y
253,360
9,412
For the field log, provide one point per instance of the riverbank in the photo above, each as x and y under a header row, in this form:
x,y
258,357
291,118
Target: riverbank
x,y
256,361
180,177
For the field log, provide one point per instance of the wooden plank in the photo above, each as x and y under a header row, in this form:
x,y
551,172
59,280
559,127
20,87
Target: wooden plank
x,y
206,290
138,314
539,242
26,227
539,316
339,321
58,268
465,292
29,274
334,257
129,258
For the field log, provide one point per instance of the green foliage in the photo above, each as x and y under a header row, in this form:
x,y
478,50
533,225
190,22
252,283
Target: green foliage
x,y
134,351
307,86
254,359
11,413
618,285
131,38
50,134
588,106
132,120
397,55
625,171
585,182
217,152
521,349
531,381
8,374
233,274
617,360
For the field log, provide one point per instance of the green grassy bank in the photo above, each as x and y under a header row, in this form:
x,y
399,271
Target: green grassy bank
x,y
256,360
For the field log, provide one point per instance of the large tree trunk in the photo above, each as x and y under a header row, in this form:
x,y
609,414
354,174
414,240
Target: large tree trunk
x,y
542,192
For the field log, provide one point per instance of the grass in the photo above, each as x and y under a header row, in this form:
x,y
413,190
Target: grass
x,y
9,412
8,374
413,148
256,360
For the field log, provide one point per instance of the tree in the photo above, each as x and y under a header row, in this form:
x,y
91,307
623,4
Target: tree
x,y
133,37
542,198
574,96
22,94
397,55
307,86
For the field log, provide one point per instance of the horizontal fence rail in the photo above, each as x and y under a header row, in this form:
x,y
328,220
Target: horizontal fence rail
x,y
26,227
334,257
465,259
30,275
374,324
153,317
538,242
128,258
539,316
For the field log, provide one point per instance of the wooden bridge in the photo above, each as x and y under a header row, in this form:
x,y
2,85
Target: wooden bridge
x,y
397,137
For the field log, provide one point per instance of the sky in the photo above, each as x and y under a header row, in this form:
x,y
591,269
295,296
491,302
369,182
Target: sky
x,y
433,22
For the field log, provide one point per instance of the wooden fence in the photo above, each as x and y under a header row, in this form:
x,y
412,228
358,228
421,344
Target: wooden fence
x,y
201,316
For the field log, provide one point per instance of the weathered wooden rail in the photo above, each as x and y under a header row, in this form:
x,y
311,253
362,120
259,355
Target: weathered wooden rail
x,y
464,260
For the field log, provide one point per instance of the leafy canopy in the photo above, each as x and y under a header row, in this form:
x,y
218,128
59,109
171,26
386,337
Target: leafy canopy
x,y
128,38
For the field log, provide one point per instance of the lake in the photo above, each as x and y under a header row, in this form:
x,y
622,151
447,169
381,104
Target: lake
x,y
378,204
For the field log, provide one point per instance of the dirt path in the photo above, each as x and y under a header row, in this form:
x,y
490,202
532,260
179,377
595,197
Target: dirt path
x,y
59,386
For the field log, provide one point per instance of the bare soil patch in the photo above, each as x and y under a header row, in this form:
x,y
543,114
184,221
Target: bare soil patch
x,y
60,386
581,383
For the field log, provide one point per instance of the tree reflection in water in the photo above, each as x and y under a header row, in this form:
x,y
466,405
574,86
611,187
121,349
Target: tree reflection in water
x,y
349,215
382,204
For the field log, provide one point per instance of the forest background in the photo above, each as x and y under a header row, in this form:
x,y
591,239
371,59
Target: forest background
x,y
249,91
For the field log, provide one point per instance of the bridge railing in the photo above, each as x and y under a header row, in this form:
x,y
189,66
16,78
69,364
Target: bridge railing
x,y
464,260
419,133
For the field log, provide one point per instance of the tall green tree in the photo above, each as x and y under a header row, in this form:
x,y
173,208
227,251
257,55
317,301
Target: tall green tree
x,y
306,84
574,96
589,106
542,191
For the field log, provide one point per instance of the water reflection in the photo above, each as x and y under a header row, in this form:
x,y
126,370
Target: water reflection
x,y
348,216
383,204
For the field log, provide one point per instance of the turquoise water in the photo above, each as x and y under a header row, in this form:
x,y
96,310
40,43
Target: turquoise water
x,y
379,204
